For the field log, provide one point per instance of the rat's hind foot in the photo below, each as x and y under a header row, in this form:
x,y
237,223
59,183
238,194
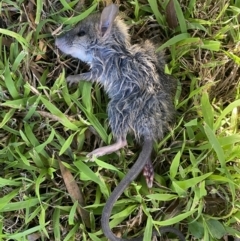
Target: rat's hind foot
x,y
107,149
148,173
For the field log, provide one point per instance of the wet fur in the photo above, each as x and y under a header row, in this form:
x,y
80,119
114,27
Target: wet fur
x,y
141,94
130,77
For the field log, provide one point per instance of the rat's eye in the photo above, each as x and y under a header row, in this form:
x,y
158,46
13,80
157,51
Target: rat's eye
x,y
81,33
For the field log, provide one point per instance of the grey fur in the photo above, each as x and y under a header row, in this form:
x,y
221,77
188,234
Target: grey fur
x,y
132,75
141,94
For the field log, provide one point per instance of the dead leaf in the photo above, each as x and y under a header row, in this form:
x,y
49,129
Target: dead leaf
x,y
75,193
7,42
57,31
43,47
171,15
80,6
33,236
31,11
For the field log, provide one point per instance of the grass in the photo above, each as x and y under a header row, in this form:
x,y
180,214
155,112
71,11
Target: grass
x,y
47,128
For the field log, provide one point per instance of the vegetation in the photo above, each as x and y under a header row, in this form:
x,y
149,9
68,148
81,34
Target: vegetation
x,y
47,127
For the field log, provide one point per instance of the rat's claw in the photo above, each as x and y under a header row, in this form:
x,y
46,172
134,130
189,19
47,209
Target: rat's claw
x,y
148,173
90,156
71,79
94,154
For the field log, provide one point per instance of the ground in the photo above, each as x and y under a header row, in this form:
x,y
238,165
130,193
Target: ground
x,y
48,127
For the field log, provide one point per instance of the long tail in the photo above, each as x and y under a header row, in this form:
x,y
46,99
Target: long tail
x,y
117,192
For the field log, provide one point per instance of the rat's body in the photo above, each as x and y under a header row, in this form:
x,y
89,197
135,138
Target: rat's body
x,y
133,77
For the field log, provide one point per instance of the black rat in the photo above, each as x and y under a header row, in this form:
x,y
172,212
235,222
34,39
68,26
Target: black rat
x,y
141,94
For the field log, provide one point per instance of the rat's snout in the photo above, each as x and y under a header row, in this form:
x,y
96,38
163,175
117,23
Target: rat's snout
x,y
63,40
62,43
59,42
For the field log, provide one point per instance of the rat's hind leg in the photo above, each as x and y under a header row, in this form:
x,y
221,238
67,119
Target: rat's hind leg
x,y
148,173
120,143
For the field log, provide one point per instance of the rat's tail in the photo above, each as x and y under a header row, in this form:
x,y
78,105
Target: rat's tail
x,y
131,176
117,192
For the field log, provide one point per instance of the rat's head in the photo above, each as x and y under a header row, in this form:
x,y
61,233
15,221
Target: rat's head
x,y
97,30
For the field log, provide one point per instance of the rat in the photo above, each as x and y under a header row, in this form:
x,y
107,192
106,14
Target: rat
x,y
140,93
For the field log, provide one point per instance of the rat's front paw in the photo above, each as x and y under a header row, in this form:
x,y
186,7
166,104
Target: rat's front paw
x,y
72,79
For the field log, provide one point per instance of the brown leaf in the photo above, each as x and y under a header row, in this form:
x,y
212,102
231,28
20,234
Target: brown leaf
x,y
43,47
80,6
30,13
7,42
171,15
34,236
75,193
57,31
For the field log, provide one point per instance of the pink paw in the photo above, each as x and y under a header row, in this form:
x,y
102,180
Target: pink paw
x,y
148,173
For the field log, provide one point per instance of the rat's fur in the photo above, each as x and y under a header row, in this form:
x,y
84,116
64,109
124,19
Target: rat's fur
x,y
133,76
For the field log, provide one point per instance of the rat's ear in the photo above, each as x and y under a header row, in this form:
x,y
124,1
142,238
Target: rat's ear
x,y
108,16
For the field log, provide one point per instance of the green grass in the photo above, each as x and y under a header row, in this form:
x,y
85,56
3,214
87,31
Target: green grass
x,y
47,128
